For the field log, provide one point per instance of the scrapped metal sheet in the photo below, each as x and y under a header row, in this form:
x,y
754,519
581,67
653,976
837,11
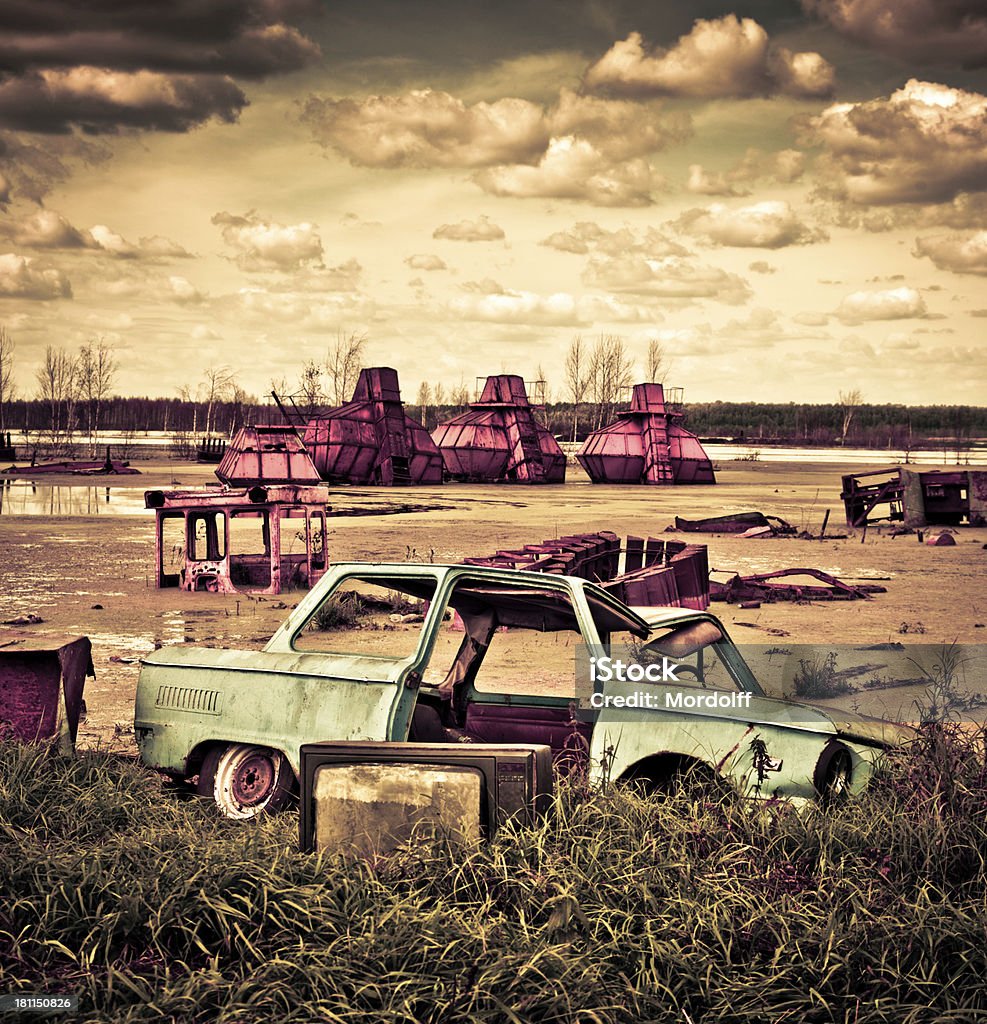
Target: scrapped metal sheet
x,y
41,686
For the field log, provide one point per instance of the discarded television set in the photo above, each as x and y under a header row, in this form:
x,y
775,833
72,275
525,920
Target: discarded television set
x,y
367,797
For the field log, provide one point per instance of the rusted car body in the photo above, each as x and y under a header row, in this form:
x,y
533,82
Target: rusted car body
x,y
435,653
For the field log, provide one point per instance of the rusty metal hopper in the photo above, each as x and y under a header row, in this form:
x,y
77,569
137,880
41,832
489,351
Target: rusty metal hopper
x,y
41,684
267,455
646,445
371,440
499,439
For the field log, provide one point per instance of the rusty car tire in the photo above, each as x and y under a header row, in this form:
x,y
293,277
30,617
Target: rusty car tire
x,y
833,773
245,780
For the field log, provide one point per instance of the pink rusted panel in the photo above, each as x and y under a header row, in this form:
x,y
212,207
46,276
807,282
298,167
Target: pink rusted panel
x,y
266,454
41,680
499,439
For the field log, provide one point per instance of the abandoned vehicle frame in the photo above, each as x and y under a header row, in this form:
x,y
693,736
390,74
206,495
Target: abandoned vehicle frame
x,y
433,653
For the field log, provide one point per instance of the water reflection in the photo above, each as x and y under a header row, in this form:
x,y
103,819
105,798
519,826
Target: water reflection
x,y
26,498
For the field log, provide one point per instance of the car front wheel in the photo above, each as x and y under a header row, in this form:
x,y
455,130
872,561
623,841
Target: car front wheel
x,y
833,773
246,780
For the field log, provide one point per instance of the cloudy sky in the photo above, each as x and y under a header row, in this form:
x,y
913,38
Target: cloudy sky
x,y
790,194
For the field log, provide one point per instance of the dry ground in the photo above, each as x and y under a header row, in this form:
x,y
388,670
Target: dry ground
x,y
93,574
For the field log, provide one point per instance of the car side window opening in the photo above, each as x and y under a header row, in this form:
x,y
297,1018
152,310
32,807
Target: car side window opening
x,y
378,617
507,638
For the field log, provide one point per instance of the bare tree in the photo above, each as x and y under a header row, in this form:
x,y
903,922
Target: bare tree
x,y
849,402
658,362
96,371
576,376
544,397
344,361
459,396
310,386
438,395
216,384
423,401
610,370
57,379
7,347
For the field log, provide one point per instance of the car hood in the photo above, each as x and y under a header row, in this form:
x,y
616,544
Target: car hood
x,y
863,728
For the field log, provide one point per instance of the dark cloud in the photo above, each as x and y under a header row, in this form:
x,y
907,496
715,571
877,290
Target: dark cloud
x,y
925,143
105,67
923,31
23,278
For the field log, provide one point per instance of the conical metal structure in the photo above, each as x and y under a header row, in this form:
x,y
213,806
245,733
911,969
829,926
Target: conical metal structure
x,y
371,440
646,445
499,440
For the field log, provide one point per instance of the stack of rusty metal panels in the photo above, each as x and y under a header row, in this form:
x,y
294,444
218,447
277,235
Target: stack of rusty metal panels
x,y
640,572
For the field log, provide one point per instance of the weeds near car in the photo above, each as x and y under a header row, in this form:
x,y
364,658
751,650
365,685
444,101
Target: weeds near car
x,y
818,678
618,908
337,612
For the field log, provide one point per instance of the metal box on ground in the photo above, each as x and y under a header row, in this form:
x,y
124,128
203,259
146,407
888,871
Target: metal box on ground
x,y
364,797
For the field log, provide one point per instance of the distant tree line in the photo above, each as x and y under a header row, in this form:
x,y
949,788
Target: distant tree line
x,y
73,402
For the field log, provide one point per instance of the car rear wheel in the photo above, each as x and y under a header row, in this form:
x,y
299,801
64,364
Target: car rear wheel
x,y
833,773
246,780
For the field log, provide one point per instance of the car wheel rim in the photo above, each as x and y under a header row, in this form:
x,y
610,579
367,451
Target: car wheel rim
x,y
246,779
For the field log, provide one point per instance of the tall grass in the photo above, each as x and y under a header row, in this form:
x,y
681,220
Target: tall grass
x,y
617,908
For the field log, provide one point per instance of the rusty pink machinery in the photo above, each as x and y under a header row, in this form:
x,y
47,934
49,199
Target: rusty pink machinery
x,y
499,439
371,440
264,530
643,573
647,444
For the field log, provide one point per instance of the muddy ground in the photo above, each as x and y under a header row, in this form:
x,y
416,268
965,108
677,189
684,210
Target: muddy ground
x,y
93,574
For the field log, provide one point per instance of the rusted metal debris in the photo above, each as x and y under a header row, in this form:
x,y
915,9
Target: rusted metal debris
x,y
259,539
41,686
735,522
500,440
640,573
647,444
76,467
371,440
917,499
762,587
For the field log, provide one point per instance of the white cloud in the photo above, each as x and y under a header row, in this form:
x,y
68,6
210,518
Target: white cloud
x,y
428,128
184,292
426,261
489,302
722,57
481,230
265,245
573,169
767,225
961,253
924,143
22,278
673,279
588,236
894,304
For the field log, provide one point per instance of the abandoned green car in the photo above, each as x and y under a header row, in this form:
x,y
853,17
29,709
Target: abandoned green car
x,y
435,653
